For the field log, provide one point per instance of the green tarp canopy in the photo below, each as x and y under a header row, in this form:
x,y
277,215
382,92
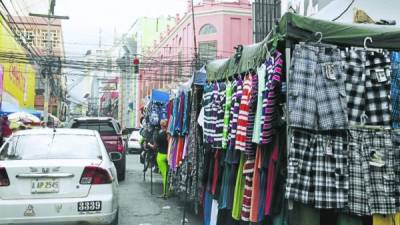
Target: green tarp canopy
x,y
300,28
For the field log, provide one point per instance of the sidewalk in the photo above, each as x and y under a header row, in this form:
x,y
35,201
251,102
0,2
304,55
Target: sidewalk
x,y
139,207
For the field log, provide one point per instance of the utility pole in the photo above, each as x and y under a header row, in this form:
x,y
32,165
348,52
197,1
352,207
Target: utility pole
x,y
196,56
50,18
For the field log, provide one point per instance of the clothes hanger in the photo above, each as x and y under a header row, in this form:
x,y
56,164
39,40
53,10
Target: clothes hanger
x,y
366,39
320,36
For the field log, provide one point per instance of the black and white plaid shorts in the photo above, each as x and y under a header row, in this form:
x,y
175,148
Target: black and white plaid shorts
x,y
317,169
368,86
317,95
372,177
396,151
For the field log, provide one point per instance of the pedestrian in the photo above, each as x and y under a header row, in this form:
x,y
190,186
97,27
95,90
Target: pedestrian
x,y
161,145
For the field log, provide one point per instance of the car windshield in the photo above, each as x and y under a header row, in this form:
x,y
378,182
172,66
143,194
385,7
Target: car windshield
x,y
135,134
104,128
58,146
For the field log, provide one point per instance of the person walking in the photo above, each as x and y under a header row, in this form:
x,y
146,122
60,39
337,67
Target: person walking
x,y
161,145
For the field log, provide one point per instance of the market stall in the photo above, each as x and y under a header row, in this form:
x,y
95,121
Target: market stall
x,y
326,151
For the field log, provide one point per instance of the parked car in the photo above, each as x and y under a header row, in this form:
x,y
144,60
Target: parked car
x,y
56,177
133,142
110,133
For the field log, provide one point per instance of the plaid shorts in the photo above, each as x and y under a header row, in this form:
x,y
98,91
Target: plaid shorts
x,y
317,169
372,187
367,87
395,90
317,96
396,150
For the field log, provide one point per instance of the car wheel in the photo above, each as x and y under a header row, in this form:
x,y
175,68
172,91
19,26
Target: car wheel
x,y
115,221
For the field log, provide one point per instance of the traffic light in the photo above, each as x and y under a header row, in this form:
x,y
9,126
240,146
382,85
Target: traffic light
x,y
136,65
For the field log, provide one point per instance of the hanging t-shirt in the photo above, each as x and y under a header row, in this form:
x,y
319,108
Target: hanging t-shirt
x,y
241,134
218,114
250,146
208,129
234,114
261,73
270,102
227,109
207,208
214,212
256,187
239,190
271,177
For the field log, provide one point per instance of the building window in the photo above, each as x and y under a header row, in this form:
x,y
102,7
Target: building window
x,y
208,50
208,29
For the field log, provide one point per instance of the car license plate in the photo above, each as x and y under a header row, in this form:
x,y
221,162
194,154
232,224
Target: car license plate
x,y
89,206
45,186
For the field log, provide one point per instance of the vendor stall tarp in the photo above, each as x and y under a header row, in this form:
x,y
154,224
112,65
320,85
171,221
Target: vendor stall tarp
x,y
304,28
297,27
159,96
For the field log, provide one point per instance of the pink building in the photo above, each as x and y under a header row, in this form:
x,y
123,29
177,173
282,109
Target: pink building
x,y
220,26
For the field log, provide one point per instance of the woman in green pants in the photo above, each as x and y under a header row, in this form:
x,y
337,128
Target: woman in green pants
x,y
161,144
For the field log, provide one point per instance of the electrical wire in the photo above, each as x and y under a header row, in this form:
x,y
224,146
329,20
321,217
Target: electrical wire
x,y
348,7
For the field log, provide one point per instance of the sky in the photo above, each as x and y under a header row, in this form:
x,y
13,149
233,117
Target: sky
x,y
87,17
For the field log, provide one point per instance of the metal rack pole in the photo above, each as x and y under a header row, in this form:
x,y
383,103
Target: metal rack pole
x,y
288,61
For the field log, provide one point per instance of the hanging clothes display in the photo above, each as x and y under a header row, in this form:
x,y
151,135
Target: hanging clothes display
x,y
311,140
239,171
343,152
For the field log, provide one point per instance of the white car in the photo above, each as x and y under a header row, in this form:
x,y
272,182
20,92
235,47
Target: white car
x,y
133,142
57,176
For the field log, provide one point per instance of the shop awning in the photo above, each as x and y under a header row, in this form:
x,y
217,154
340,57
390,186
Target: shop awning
x,y
8,108
302,28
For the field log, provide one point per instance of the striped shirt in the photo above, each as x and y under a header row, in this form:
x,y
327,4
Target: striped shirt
x,y
250,147
248,172
270,102
244,108
218,113
236,98
208,130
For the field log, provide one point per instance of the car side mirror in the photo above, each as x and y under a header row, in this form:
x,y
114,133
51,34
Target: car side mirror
x,y
115,156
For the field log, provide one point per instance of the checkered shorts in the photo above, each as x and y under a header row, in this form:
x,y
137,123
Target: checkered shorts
x,y
372,188
366,93
317,97
395,90
396,150
317,169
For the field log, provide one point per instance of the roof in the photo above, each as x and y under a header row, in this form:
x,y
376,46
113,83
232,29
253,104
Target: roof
x,y
47,131
36,21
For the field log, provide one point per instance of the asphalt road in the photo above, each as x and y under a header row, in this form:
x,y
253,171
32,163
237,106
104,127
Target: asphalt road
x,y
139,207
